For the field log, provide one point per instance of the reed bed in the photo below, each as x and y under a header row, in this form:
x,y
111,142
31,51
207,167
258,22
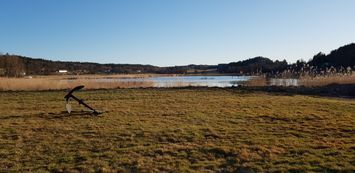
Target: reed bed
x,y
38,84
326,80
256,81
100,76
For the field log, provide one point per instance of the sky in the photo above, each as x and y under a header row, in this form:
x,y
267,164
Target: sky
x,y
174,32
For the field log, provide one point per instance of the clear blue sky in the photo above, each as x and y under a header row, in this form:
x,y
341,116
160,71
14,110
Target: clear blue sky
x,y
174,32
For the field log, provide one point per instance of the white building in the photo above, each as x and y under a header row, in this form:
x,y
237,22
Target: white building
x,y
63,71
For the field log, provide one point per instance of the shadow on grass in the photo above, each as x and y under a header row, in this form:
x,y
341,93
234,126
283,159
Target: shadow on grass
x,y
332,90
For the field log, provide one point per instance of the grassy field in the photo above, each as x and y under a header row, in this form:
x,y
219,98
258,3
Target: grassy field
x,y
176,130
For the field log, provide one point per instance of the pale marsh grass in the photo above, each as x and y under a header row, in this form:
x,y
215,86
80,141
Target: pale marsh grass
x,y
37,84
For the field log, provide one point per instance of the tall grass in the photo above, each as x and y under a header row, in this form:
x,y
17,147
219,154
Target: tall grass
x,y
326,80
37,84
257,81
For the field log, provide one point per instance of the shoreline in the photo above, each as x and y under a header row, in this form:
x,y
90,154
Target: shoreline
x,y
346,91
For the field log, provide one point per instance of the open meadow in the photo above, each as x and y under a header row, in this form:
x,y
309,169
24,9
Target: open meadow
x,y
176,130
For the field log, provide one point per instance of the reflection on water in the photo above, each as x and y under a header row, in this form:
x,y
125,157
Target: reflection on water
x,y
209,81
181,81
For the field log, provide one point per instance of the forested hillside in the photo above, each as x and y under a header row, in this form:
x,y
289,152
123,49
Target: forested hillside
x,y
344,56
257,65
339,59
17,66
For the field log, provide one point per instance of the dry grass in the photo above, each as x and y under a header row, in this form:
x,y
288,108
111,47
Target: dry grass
x,y
100,76
326,80
176,130
37,84
256,81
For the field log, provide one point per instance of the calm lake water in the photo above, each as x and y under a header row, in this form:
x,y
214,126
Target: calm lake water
x,y
180,81
208,81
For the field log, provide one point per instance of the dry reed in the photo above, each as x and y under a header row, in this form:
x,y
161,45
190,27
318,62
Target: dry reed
x,y
326,80
37,84
256,81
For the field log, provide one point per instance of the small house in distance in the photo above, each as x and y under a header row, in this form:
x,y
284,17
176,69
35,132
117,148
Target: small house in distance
x,y
62,71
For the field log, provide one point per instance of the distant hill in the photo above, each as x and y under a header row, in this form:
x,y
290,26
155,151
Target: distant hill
x,y
13,65
253,66
341,57
16,66
344,56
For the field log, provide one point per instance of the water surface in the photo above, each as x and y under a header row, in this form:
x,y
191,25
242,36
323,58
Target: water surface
x,y
181,81
206,81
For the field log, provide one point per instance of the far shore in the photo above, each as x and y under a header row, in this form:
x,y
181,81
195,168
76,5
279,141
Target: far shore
x,y
136,75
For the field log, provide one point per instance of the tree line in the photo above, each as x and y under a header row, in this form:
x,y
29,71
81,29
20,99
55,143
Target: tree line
x,y
341,60
18,66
